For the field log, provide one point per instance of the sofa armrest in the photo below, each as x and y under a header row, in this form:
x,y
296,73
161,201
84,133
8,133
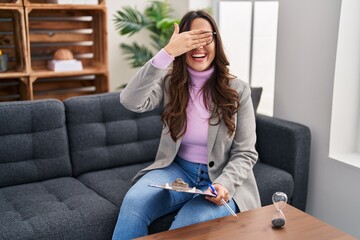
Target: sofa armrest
x,y
286,145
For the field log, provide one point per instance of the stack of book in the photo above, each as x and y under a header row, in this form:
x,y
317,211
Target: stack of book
x,y
65,65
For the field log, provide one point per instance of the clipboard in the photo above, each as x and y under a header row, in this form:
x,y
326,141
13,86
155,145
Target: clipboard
x,y
180,186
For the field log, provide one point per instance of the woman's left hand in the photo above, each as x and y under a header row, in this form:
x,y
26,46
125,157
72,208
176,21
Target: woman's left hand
x,y
222,193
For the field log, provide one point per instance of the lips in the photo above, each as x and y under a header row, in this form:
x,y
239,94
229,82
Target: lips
x,y
198,57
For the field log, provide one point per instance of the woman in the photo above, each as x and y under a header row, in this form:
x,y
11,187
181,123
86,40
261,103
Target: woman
x,y
208,136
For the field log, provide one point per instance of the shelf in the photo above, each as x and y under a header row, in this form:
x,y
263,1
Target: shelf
x,y
12,74
12,89
49,73
44,4
10,3
80,31
65,6
31,31
12,40
69,86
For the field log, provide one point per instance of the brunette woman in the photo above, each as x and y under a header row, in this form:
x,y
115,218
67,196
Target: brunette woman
x,y
208,135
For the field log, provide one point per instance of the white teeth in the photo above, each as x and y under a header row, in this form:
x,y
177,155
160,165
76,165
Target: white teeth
x,y
198,55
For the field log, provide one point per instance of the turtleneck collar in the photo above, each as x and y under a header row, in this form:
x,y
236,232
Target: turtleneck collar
x,y
198,79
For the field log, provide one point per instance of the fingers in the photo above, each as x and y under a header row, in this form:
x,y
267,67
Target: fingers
x,y
176,29
216,200
197,34
222,193
198,40
195,40
185,41
200,31
206,36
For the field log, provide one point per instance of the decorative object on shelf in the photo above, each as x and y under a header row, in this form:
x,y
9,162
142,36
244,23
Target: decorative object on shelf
x,y
64,61
63,54
156,18
3,61
279,200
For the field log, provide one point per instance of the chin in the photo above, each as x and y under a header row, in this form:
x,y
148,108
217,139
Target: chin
x,y
200,68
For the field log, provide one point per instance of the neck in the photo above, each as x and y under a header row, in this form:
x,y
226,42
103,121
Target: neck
x,y
198,79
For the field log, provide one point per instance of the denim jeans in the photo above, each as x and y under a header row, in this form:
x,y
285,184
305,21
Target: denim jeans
x,y
143,204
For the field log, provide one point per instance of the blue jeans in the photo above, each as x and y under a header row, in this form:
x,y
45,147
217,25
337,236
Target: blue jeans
x,y
143,204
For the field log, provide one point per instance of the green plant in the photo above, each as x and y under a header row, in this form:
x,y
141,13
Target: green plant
x,y
156,18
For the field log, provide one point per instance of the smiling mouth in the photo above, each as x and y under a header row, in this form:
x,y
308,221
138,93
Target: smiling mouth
x,y
198,56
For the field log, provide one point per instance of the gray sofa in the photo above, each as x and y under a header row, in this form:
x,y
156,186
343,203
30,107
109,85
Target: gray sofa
x,y
66,166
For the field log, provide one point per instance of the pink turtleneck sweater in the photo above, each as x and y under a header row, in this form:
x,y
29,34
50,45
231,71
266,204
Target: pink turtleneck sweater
x,y
194,142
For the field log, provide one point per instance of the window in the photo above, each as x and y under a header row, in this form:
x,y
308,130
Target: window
x,y
345,116
249,33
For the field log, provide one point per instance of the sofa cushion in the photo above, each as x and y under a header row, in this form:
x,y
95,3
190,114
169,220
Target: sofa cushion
x,y
33,141
270,180
112,184
60,208
103,134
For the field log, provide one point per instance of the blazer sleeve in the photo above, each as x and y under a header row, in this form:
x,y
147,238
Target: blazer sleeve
x,y
145,90
242,155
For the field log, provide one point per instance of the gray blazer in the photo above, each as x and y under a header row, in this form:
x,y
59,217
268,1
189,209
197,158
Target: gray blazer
x,y
230,158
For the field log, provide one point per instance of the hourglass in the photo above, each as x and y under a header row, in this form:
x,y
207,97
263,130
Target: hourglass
x,y
279,199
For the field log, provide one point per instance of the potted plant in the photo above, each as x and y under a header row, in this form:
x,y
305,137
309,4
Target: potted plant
x,y
156,18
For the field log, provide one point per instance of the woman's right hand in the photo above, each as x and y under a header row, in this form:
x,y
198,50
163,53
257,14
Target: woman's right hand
x,y
183,42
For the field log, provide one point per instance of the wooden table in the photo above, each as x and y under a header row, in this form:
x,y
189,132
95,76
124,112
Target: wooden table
x,y
256,224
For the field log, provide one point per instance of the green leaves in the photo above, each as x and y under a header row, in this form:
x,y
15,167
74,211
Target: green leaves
x,y
157,11
155,18
129,21
138,55
165,23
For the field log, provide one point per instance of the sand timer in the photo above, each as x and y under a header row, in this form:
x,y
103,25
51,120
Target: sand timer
x,y
279,199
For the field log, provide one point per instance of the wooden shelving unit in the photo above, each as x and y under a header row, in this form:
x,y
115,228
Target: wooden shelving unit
x,y
11,3
44,28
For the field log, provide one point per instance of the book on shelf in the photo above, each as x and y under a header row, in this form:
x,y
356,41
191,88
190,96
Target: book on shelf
x,y
65,65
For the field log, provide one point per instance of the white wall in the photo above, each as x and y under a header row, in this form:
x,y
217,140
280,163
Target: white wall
x,y
120,70
306,56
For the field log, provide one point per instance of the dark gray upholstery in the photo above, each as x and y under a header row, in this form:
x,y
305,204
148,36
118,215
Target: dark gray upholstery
x,y
286,145
118,136
66,179
281,181
38,197
112,184
61,208
33,142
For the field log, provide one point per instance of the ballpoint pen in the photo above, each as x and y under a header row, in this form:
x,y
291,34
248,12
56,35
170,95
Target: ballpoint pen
x,y
223,201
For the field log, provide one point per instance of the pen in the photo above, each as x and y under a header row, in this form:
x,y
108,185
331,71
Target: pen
x,y
223,201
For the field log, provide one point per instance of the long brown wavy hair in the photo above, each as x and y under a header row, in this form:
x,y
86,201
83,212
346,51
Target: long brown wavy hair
x,y
224,101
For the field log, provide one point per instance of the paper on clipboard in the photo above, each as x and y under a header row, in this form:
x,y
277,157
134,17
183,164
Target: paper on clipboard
x,y
180,186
